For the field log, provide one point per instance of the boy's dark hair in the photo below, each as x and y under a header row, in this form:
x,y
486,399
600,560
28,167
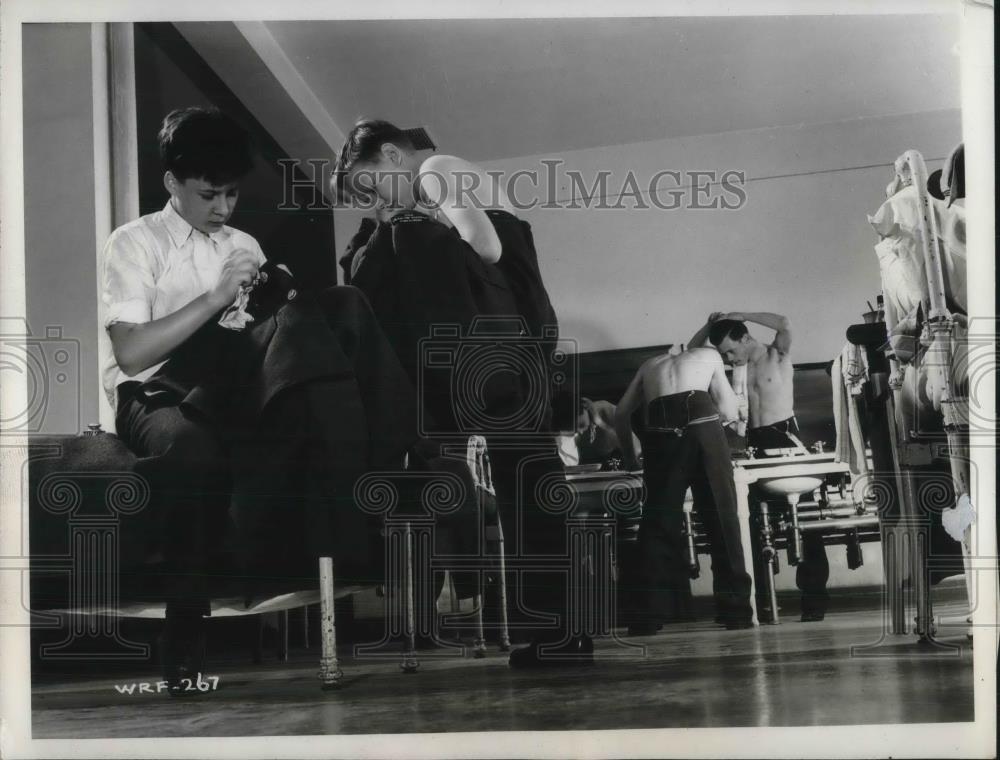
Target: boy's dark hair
x,y
726,328
362,145
205,143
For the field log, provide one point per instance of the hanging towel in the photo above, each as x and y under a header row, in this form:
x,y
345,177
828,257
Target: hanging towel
x,y
847,386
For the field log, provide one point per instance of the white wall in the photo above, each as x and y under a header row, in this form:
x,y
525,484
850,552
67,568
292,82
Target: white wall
x,y
60,231
800,245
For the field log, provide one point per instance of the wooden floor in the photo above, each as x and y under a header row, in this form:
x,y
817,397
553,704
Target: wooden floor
x,y
835,672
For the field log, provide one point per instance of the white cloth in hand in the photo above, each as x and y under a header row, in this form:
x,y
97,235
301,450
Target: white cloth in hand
x,y
236,316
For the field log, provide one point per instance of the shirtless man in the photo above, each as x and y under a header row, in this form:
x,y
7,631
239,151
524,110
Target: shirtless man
x,y
378,162
769,366
684,401
772,424
596,438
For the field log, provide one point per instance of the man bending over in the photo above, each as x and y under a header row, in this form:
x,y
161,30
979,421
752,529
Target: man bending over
x,y
683,402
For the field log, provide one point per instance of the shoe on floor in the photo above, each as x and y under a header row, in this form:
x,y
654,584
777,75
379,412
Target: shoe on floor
x,y
539,654
812,616
645,629
743,622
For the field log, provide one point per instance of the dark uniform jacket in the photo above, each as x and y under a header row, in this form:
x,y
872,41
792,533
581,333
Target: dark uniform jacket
x,y
475,338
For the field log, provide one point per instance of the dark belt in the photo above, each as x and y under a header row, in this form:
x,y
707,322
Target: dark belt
x,y
678,411
782,426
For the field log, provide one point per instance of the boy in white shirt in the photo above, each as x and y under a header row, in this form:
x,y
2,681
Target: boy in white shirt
x,y
165,276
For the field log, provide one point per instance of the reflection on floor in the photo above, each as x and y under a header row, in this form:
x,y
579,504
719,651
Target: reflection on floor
x,y
694,675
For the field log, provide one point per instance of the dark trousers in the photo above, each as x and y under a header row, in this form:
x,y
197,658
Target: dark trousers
x,y
187,468
813,569
285,473
529,479
293,500
698,457
296,464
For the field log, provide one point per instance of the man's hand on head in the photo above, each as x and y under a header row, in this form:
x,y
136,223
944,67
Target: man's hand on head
x,y
700,338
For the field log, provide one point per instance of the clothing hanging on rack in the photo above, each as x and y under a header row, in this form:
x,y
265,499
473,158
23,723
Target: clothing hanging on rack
x,y
848,375
900,253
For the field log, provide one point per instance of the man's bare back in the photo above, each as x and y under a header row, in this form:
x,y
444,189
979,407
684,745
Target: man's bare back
x,y
689,371
697,369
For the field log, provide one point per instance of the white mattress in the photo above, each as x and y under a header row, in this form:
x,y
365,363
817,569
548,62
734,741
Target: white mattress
x,y
230,607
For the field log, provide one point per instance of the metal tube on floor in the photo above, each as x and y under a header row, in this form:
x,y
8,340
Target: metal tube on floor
x,y
770,562
795,550
694,570
409,663
330,673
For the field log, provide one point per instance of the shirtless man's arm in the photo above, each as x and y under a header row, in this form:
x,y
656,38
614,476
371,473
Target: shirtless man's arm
x,y
777,322
444,182
631,401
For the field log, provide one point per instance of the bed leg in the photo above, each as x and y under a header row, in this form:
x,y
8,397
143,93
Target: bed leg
x,y
504,629
257,653
282,645
455,604
479,645
305,626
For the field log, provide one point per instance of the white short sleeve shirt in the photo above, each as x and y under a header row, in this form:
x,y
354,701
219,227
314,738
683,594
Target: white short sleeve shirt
x,y
156,265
